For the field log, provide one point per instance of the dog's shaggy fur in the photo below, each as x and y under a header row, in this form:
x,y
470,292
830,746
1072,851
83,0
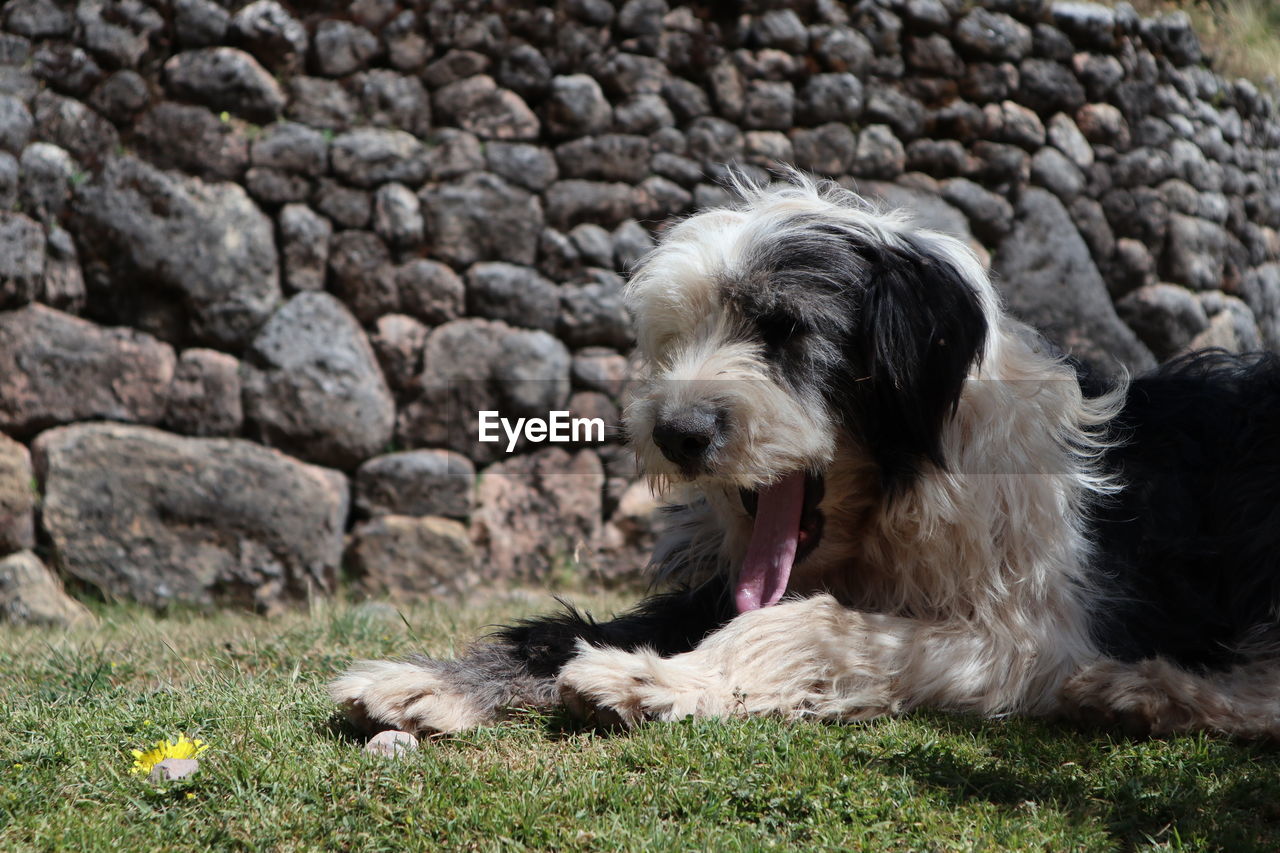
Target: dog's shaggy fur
x,y
956,517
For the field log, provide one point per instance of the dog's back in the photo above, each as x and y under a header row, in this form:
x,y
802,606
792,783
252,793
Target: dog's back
x,y
1191,546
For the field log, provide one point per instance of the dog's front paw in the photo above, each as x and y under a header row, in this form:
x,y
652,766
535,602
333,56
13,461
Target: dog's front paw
x,y
611,688
413,696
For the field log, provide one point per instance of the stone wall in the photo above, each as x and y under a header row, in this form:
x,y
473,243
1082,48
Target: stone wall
x,y
259,262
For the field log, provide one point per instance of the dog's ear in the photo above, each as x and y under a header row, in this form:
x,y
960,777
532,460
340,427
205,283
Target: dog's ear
x,y
919,328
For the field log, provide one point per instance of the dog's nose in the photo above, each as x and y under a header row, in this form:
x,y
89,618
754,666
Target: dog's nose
x,y
686,436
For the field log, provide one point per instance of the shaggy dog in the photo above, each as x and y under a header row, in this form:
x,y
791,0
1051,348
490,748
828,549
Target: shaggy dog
x,y
893,495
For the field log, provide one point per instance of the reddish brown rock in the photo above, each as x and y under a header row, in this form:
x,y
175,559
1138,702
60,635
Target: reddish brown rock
x,y
17,497
416,482
56,368
407,558
539,514
205,396
31,594
398,340
149,516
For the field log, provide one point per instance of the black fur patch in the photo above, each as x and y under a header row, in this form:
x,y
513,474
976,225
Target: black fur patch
x,y
920,328
1191,547
669,624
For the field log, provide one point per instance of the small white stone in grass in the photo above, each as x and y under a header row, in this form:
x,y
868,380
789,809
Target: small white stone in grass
x,y
173,769
391,743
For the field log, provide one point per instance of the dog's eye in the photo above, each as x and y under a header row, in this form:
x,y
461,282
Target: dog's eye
x,y
777,329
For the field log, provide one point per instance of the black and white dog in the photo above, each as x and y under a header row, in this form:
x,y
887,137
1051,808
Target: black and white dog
x,y
893,495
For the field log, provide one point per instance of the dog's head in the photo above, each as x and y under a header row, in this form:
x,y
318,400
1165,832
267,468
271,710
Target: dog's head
x,y
795,328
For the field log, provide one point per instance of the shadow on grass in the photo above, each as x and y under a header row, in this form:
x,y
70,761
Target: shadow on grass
x,y
1197,790
338,726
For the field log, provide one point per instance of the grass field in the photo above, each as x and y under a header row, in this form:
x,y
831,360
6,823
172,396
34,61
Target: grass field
x,y
282,774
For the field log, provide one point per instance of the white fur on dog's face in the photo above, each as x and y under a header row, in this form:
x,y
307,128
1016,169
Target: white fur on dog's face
x,y
694,350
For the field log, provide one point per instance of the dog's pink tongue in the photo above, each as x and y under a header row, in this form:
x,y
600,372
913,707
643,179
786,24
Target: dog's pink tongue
x,y
772,549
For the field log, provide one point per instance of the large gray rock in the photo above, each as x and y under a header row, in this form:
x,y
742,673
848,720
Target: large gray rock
x,y
830,97
271,34
594,314
156,518
314,386
611,157
477,104
116,32
56,368
210,148
1197,252
879,154
1089,24
513,294
321,103
37,18
476,365
430,291
224,78
530,166
347,207
292,147
389,99
200,23
993,35
416,482
1166,317
657,199
30,594
482,218
577,106
1054,171
990,215
600,369
375,155
1048,278
207,247
362,276
8,180
17,497
573,202
1048,87
539,514
341,47
827,150
453,153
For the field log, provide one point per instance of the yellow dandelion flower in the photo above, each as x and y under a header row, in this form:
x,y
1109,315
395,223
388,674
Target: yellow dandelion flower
x,y
143,762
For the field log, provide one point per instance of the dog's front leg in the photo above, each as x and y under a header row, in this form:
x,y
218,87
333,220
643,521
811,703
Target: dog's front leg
x,y
518,665
807,658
